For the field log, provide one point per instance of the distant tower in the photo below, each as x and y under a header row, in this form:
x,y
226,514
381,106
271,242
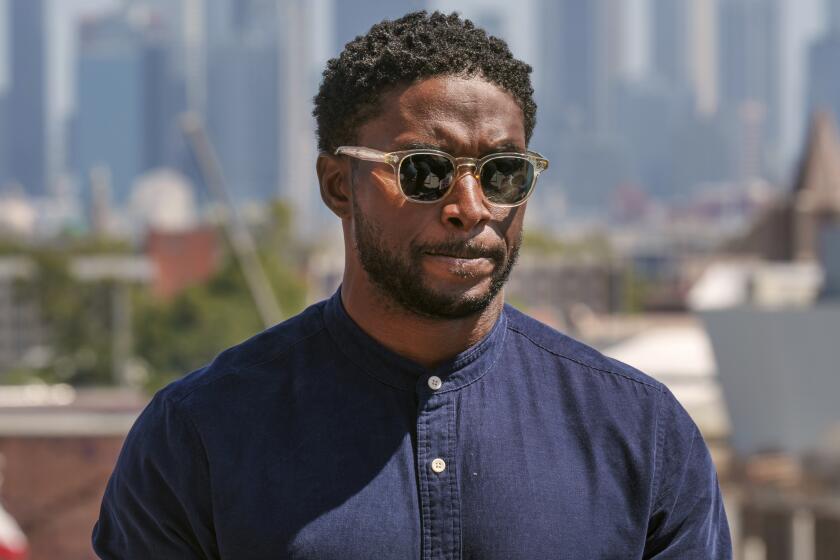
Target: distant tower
x,y
749,61
4,137
243,93
669,44
823,78
833,9
793,228
583,42
684,43
127,99
26,107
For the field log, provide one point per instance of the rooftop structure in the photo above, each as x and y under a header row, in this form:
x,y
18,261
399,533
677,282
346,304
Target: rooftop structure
x,y
791,229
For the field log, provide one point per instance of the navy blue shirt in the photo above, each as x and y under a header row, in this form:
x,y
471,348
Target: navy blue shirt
x,y
313,441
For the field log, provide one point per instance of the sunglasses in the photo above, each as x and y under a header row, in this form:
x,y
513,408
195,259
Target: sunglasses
x,y
427,176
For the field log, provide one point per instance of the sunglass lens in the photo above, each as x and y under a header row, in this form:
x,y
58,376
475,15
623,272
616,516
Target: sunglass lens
x,y
426,177
507,180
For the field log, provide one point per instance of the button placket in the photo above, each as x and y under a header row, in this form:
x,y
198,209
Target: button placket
x,y
439,500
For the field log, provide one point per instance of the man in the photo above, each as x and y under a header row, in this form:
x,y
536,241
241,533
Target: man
x,y
414,415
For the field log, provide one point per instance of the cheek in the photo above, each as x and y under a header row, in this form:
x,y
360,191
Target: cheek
x,y
397,223
510,225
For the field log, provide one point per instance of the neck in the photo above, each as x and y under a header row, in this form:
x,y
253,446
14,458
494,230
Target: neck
x,y
423,340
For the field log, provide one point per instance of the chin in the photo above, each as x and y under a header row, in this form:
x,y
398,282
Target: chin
x,y
450,301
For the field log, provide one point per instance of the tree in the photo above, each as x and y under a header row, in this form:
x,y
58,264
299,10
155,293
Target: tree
x,y
175,337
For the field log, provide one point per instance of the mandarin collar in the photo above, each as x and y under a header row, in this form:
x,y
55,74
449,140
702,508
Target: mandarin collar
x,y
399,372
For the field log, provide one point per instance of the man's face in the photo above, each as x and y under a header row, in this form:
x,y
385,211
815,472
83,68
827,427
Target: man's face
x,y
450,259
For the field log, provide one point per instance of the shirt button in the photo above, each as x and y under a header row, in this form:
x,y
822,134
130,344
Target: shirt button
x,y
435,383
438,465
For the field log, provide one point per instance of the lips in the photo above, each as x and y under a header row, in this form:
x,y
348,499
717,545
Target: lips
x,y
466,266
463,256
463,251
468,260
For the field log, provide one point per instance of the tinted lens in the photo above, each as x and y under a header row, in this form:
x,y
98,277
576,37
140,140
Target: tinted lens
x,y
426,177
507,180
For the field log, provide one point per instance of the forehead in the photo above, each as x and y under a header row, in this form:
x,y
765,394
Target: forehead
x,y
458,114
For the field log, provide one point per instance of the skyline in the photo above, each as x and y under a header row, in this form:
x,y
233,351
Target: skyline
x,y
804,19
607,117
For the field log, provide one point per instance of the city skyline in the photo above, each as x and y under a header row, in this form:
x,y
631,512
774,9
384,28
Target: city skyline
x,y
614,70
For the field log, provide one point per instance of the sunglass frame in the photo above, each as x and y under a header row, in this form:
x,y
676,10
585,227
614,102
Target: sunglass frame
x,y
395,159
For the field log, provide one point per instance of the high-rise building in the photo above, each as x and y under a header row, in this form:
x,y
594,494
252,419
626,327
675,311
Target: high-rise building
x,y
241,21
581,50
583,45
683,41
833,9
823,78
26,128
127,99
692,146
243,94
4,138
646,116
669,44
750,84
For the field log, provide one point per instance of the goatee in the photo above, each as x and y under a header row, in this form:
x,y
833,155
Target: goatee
x,y
401,278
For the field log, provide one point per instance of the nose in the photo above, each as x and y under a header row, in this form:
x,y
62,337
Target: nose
x,y
465,207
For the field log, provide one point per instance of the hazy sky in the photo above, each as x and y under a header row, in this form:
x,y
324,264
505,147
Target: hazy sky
x,y
802,20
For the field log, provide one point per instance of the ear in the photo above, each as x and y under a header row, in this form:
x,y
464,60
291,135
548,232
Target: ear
x,y
335,185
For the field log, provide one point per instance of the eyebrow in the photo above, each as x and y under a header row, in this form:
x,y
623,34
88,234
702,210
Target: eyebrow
x,y
419,146
501,148
507,147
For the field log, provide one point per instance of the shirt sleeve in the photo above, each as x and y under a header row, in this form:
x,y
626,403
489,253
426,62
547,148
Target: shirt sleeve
x,y
157,502
687,520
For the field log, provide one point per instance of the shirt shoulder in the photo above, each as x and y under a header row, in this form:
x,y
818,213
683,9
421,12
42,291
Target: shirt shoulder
x,y
266,346
576,354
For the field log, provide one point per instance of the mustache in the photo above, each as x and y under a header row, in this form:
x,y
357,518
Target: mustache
x,y
465,250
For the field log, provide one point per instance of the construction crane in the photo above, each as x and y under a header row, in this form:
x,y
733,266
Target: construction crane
x,y
240,239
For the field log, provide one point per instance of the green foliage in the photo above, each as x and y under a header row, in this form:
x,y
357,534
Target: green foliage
x,y
178,336
77,317
542,243
175,337
170,338
634,291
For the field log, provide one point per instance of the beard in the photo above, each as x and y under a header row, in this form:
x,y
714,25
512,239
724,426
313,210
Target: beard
x,y
402,280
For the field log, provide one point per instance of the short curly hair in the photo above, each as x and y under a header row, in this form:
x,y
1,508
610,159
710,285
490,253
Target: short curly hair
x,y
415,46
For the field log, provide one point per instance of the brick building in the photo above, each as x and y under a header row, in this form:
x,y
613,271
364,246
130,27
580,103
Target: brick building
x,y
182,258
59,448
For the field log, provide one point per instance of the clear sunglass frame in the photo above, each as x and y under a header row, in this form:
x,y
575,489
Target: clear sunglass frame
x,y
395,159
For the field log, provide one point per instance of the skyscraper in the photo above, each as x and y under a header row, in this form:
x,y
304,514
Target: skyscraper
x,y
833,9
26,109
4,139
683,50
669,41
750,85
823,78
243,94
127,99
581,48
583,43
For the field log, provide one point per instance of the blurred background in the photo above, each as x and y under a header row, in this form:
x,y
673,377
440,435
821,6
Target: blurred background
x,y
158,203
